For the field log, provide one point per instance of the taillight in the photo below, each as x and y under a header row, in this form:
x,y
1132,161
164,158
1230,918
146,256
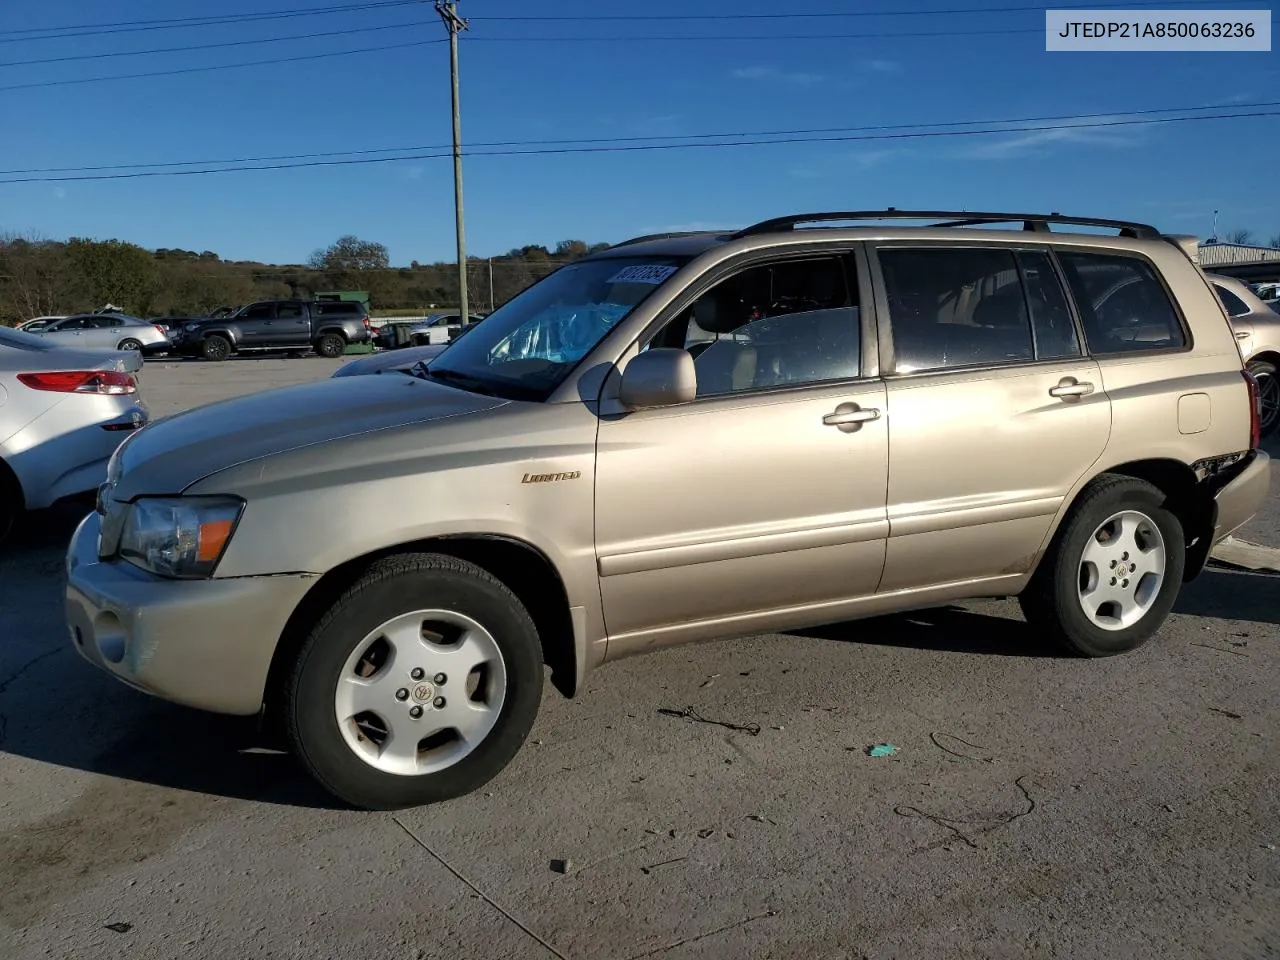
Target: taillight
x,y
106,382
160,330
1255,411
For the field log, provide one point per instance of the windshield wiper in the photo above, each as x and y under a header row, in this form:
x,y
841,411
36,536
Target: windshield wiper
x,y
454,378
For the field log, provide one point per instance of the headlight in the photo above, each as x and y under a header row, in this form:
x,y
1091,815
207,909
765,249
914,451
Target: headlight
x,y
181,537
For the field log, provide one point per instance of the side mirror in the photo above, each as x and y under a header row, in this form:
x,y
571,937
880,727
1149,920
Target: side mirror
x,y
659,377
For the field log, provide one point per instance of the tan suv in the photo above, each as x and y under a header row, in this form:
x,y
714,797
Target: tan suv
x,y
678,438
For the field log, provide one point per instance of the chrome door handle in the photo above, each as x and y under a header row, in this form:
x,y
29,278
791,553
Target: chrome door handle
x,y
1069,389
848,417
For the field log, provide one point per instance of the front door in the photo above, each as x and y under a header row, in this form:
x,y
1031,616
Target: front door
x,y
994,411
762,502
257,325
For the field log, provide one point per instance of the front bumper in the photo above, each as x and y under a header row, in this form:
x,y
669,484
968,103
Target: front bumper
x,y
203,643
1238,500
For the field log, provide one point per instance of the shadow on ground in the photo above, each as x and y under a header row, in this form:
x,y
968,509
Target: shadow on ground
x,y
1232,595
946,629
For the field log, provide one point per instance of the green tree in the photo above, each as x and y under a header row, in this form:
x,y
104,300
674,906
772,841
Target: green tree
x,y
350,254
115,272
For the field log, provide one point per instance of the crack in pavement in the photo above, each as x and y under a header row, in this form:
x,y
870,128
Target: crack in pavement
x,y
480,893
4,684
702,936
987,824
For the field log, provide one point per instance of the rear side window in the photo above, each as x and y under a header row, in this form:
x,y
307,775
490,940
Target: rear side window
x,y
1051,323
288,311
329,307
1234,305
1123,305
956,307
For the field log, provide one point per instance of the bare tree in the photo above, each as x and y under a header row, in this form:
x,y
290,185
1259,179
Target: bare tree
x,y
1239,236
1274,242
35,277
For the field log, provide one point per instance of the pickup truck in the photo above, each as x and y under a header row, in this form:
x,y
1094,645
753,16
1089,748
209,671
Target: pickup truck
x,y
328,327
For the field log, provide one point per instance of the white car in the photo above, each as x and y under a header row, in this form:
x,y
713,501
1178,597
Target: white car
x,y
39,323
438,328
62,414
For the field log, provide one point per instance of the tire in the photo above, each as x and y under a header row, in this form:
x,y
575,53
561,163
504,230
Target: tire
x,y
1068,585
331,345
130,344
11,503
215,347
345,747
1268,394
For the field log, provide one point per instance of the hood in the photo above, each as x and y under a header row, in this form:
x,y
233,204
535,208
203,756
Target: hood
x,y
389,361
171,454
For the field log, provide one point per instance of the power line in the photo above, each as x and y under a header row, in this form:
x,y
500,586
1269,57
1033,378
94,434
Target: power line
x,y
214,46
125,26
936,11
635,148
132,26
222,66
1151,111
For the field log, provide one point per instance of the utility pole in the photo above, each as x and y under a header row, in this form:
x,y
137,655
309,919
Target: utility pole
x,y
448,11
491,284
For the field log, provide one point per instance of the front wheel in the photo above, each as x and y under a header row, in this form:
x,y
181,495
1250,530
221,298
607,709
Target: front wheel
x,y
1268,394
1113,571
331,345
215,347
419,685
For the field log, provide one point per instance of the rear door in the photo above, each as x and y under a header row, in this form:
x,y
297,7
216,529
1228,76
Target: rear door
x,y
292,326
102,332
994,410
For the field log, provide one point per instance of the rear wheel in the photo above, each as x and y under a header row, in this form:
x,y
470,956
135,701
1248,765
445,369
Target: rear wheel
x,y
130,344
1112,573
419,684
331,345
1268,394
215,347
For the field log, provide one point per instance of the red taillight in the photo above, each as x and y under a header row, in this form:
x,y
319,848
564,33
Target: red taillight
x,y
1255,412
110,382
160,330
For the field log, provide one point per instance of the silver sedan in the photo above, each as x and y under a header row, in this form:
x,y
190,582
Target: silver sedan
x,y
106,331
62,415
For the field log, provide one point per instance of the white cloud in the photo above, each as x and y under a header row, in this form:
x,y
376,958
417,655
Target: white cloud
x,y
1041,142
60,193
881,66
414,172
776,75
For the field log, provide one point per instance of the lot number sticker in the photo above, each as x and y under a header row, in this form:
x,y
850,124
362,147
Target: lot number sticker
x,y
642,273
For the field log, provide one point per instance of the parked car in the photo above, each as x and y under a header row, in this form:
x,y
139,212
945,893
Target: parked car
x,y
62,414
105,331
671,440
37,323
1257,330
439,328
327,326
397,361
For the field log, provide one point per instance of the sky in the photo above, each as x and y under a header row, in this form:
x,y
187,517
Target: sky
x,y
600,81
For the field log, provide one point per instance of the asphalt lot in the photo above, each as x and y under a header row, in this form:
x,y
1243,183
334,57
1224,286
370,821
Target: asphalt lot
x,y
1038,806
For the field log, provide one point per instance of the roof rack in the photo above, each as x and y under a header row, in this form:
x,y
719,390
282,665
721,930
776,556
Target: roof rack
x,y
1038,222
670,235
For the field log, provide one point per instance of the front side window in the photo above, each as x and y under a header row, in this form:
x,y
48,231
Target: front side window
x,y
526,347
956,307
259,311
1123,305
783,324
72,323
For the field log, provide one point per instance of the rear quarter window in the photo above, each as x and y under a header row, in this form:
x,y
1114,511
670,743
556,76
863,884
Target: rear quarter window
x,y
1124,306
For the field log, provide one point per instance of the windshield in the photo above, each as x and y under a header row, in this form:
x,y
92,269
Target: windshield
x,y
18,340
525,348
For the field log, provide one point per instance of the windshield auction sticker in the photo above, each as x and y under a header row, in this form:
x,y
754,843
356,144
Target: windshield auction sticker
x,y
1171,31
643,273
